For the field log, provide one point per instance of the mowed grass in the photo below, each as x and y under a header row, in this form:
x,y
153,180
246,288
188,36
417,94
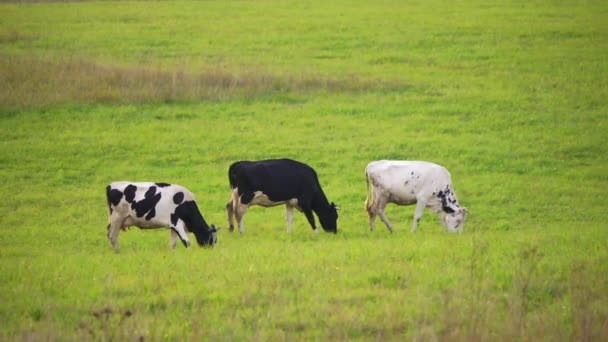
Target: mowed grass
x,y
510,97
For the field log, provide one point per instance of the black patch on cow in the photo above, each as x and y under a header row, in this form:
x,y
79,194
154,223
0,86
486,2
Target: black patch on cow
x,y
406,182
194,222
147,204
114,196
151,213
162,185
412,173
178,198
151,191
446,197
130,193
247,197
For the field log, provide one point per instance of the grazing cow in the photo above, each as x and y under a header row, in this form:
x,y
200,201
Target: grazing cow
x,y
279,181
408,182
157,205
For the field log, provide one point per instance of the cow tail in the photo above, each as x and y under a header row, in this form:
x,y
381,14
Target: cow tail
x,y
370,199
109,205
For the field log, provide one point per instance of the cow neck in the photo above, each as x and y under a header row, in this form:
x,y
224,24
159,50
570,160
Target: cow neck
x,y
320,202
199,226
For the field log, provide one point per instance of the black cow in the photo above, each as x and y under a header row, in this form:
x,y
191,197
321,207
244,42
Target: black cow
x,y
279,181
157,205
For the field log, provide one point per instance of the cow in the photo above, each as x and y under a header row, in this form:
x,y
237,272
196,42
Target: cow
x,y
272,182
150,205
412,182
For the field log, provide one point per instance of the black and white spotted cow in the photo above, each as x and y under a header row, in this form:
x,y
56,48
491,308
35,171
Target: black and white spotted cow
x,y
273,182
412,182
157,205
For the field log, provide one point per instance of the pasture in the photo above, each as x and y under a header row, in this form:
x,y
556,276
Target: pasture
x,y
511,97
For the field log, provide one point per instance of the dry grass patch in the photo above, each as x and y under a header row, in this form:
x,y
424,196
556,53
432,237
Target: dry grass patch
x,y
34,82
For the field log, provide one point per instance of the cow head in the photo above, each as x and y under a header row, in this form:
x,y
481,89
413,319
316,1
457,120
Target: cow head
x,y
454,221
329,218
210,237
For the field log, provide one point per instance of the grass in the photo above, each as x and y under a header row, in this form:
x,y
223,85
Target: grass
x,y
510,97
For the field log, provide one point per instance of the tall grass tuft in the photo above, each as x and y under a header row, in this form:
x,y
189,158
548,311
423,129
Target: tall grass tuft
x,y
587,284
34,82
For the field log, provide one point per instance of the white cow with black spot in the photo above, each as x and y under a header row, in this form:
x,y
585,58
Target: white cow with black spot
x,y
157,205
412,182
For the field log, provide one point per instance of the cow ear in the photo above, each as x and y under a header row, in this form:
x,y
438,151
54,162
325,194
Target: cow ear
x,y
335,206
214,228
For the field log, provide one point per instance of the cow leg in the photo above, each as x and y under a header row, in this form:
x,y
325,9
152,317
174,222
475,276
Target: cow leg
x,y
384,219
371,207
381,204
179,230
240,213
113,230
305,206
289,216
311,219
372,218
173,240
231,207
240,205
230,212
418,214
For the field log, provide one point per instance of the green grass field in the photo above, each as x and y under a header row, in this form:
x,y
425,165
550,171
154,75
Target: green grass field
x,y
510,96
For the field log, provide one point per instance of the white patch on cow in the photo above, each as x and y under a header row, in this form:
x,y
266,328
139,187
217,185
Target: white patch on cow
x,y
238,209
261,199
